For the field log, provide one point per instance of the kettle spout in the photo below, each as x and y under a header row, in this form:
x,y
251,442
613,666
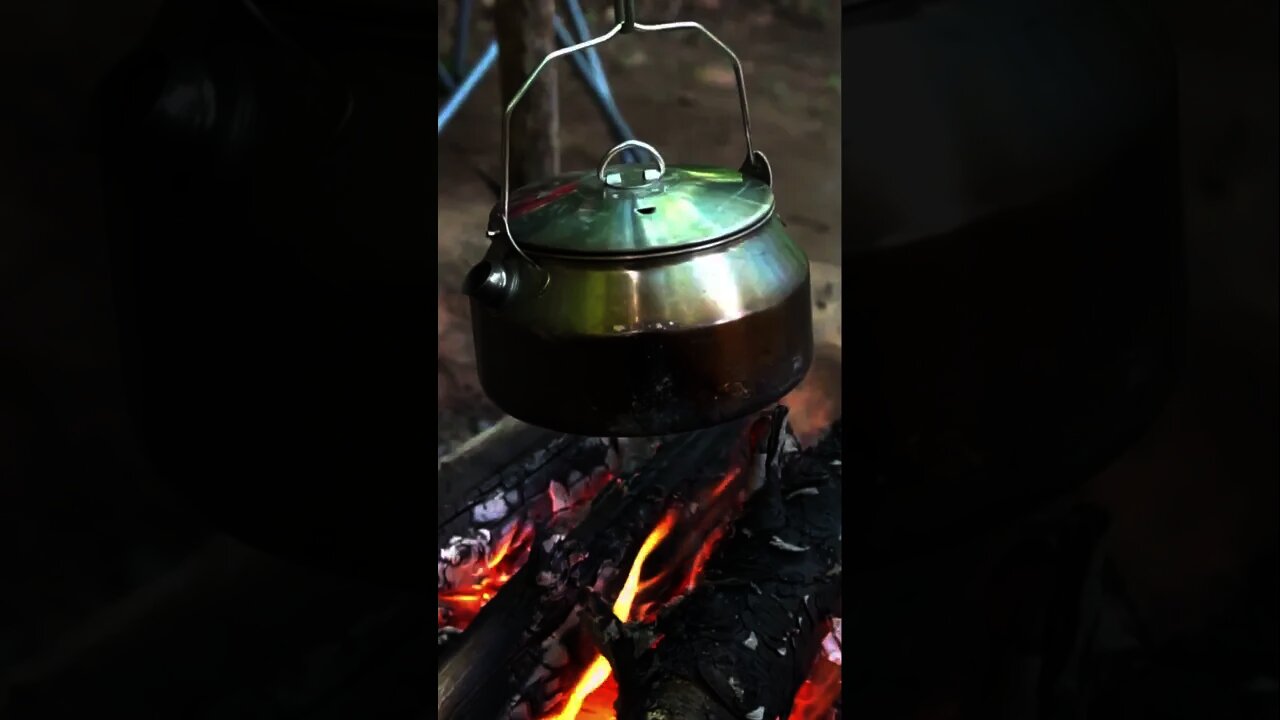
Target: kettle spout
x,y
489,283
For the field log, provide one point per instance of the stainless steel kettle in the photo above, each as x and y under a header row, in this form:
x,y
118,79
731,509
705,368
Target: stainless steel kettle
x,y
640,298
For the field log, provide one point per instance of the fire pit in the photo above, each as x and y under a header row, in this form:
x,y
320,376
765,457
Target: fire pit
x,y
692,576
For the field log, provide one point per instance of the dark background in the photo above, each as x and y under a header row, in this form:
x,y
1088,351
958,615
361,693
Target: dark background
x,y
121,592
101,566
1148,587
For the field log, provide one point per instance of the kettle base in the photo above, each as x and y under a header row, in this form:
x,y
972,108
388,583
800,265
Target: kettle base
x,y
646,384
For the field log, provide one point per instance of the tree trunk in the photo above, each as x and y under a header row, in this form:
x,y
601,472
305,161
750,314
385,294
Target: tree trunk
x,y
525,37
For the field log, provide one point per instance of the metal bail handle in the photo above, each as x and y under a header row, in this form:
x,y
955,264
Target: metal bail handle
x,y
626,24
614,179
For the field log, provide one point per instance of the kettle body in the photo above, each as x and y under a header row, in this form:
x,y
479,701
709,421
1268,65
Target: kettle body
x,y
649,346
641,299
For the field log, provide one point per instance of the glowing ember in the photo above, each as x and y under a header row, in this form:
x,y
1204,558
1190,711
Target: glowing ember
x,y
831,644
473,569
817,697
724,484
700,560
560,498
459,606
599,670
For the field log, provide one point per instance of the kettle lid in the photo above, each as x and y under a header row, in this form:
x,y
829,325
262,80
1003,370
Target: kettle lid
x,y
637,208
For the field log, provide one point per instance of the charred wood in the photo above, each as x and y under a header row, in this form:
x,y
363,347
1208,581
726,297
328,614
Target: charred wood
x,y
502,486
742,643
500,657
507,471
471,666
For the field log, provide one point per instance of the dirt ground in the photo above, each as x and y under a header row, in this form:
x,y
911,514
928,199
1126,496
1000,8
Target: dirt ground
x,y
677,93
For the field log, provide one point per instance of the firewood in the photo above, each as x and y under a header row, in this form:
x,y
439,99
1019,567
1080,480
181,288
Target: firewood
x,y
509,468
497,662
741,644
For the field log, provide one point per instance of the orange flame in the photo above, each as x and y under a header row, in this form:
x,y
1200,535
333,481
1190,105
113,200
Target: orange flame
x,y
599,670
595,693
700,560
459,607
515,539
724,484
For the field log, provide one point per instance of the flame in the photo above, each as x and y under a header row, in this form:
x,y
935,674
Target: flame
x,y
599,704
710,530
594,695
683,557
599,670
518,538
460,606
700,560
724,484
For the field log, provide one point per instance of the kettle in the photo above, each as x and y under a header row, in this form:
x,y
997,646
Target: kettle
x,y
640,298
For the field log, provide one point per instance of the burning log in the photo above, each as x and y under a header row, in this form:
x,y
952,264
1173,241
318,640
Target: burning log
x,y
508,469
507,656
744,641
494,492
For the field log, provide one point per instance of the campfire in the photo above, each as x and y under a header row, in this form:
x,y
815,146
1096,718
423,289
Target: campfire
x,y
694,576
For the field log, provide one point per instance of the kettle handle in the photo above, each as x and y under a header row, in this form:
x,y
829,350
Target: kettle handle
x,y
626,24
